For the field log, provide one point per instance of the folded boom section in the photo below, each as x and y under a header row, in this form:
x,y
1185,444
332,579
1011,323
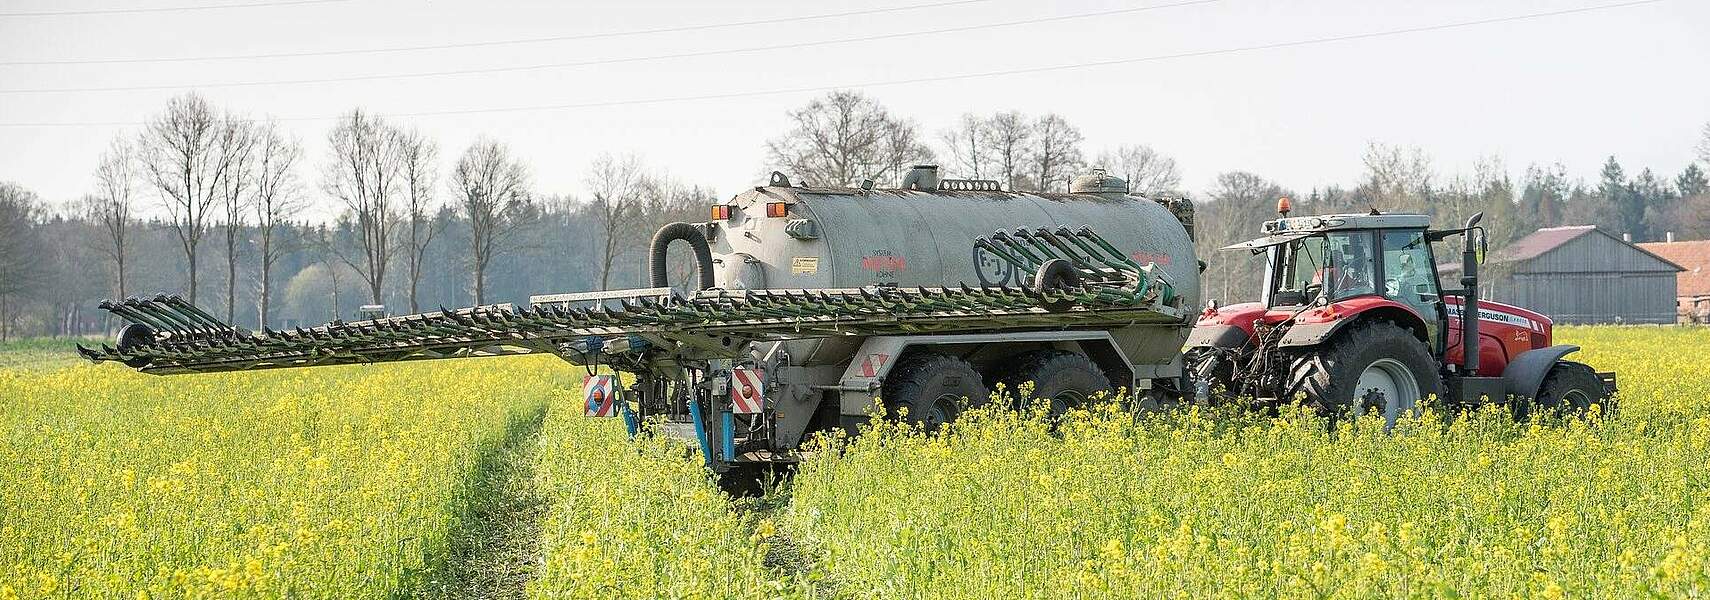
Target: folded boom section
x,y
168,335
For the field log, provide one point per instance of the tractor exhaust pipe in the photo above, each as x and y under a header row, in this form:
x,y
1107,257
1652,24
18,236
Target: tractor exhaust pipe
x,y
1469,303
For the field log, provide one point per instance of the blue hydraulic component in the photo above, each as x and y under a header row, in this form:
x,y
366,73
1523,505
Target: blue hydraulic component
x,y
727,434
700,430
630,423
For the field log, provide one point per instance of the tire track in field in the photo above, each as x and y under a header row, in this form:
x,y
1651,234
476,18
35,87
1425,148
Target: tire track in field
x,y
495,547
787,558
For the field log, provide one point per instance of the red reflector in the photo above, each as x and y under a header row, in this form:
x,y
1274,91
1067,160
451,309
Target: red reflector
x,y
777,209
720,212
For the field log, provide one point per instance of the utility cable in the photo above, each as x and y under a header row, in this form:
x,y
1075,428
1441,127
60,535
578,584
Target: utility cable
x,y
608,61
943,78
163,9
492,43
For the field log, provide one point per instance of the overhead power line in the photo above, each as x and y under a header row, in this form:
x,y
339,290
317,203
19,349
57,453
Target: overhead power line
x,y
490,43
606,61
163,9
952,77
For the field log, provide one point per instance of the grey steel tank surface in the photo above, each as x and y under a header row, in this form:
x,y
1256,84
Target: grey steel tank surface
x,y
786,237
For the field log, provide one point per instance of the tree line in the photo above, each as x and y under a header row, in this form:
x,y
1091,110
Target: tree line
x,y
208,203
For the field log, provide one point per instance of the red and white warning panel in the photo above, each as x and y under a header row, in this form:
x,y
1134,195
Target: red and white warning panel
x,y
747,391
599,396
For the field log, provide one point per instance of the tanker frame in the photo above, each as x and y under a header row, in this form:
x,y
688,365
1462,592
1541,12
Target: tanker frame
x,y
810,302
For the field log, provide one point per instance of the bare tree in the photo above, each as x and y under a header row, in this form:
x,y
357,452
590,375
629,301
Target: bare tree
x,y
1396,177
181,155
966,143
278,196
417,160
1009,138
113,205
362,172
1238,202
1056,152
20,265
899,149
492,190
237,139
1147,170
837,140
614,186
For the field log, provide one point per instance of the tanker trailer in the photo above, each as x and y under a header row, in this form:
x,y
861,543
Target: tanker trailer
x,y
809,303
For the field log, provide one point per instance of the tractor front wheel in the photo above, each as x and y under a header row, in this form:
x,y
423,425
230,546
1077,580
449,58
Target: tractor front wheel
x,y
1376,367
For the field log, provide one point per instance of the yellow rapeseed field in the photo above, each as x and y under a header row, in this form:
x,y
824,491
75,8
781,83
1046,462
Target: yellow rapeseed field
x,y
641,520
337,482
1200,505
358,482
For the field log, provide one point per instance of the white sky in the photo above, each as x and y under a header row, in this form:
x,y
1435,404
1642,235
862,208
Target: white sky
x,y
1633,81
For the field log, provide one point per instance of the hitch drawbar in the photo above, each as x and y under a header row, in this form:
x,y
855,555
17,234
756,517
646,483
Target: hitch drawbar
x,y
742,392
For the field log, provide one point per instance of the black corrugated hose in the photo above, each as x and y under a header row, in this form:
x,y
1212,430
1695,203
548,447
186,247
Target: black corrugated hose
x,y
662,242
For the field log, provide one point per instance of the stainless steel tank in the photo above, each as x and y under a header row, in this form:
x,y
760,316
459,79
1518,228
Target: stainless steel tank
x,y
847,237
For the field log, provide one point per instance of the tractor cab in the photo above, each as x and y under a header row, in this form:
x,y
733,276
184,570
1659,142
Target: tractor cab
x,y
1314,262
1352,316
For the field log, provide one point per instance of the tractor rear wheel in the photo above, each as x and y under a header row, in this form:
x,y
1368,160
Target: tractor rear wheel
x,y
929,389
1065,379
1570,388
1376,367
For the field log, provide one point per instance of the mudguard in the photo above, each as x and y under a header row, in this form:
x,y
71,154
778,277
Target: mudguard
x,y
1316,325
1217,336
1525,374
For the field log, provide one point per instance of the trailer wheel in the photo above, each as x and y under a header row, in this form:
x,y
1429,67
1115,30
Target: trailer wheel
x,y
1569,389
1374,367
933,388
1065,379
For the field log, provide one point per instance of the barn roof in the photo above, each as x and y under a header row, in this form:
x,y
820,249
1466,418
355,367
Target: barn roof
x,y
1693,256
1538,242
1548,239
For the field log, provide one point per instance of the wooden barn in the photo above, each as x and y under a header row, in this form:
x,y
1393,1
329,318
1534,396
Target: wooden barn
x,y
1582,274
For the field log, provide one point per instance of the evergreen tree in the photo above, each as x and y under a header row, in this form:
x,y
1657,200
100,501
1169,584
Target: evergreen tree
x,y
1691,181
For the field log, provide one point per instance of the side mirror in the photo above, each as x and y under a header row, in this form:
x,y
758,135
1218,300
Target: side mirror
x,y
1483,245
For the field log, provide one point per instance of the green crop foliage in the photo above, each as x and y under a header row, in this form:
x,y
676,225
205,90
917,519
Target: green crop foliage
x,y
1207,504
337,482
641,520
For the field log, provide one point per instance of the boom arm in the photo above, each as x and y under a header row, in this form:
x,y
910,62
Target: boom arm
x,y
171,336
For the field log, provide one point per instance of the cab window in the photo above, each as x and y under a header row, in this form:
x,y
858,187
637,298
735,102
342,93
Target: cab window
x,y
1337,264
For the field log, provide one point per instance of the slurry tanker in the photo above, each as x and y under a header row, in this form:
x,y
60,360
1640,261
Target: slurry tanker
x,y
809,304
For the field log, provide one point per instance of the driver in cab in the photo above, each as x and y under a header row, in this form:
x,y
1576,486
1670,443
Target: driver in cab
x,y
1350,273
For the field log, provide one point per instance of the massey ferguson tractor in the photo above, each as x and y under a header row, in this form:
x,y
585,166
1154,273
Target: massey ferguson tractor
x,y
809,303
1354,319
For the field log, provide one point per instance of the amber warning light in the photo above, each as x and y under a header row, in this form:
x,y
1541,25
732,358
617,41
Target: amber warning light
x,y
1283,206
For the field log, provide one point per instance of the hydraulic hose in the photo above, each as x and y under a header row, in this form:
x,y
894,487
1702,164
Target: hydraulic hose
x,y
697,242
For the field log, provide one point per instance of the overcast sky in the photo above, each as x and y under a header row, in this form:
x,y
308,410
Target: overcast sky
x,y
1632,81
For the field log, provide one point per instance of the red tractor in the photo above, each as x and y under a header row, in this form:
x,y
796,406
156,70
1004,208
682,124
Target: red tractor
x,y
1353,319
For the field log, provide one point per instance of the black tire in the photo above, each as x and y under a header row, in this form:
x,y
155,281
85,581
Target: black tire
x,y
133,335
1053,275
1329,376
1066,379
1569,389
932,388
